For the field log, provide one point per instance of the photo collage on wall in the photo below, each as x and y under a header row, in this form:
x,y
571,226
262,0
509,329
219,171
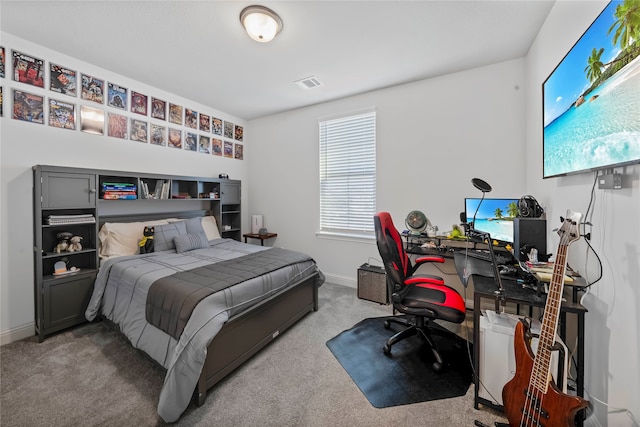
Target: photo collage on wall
x,y
125,114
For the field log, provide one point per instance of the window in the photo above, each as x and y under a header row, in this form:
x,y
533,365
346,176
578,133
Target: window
x,y
348,174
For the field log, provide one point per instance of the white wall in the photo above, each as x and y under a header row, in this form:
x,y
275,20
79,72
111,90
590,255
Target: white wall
x,y
613,322
433,136
26,144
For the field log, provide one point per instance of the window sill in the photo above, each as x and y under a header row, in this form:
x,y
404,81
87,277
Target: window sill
x,y
359,238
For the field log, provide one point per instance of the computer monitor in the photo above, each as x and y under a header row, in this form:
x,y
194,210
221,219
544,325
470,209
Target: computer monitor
x,y
495,216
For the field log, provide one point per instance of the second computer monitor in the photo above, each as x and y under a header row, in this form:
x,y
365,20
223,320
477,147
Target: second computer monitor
x,y
494,216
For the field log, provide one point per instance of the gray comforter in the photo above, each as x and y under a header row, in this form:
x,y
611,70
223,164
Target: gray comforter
x,y
120,294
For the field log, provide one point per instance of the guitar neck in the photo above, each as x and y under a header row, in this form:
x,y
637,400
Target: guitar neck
x,y
541,372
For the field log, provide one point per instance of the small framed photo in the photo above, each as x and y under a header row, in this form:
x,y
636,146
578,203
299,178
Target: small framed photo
x,y
190,141
92,89
2,62
158,135
63,80
205,122
62,114
204,145
237,152
28,107
117,96
138,103
216,147
190,118
175,138
228,149
28,69
175,114
158,109
216,126
228,129
138,130
238,134
117,126
91,120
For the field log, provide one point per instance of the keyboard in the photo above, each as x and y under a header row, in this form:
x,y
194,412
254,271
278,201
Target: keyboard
x,y
486,256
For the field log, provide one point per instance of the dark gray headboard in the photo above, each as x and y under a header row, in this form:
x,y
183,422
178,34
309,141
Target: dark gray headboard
x,y
151,216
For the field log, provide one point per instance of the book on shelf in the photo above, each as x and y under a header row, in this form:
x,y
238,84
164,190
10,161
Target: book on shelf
x,y
69,219
165,190
144,190
118,186
119,196
119,191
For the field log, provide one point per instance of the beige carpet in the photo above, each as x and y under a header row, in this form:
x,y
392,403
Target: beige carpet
x,y
90,376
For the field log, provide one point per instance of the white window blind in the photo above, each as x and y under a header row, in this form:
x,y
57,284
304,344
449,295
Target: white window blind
x,y
348,174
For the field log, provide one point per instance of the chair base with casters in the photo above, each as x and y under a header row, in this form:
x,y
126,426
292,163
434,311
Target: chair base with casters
x,y
416,326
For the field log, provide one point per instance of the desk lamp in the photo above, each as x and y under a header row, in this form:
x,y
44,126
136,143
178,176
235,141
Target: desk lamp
x,y
473,233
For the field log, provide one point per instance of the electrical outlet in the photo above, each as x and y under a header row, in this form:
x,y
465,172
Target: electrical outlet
x,y
612,181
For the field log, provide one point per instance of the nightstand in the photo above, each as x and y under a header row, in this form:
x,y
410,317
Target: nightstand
x,y
262,237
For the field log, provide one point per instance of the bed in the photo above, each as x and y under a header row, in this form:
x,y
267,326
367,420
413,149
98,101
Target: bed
x,y
199,305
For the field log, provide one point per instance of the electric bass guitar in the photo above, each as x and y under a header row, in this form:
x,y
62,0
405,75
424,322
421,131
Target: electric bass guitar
x,y
531,398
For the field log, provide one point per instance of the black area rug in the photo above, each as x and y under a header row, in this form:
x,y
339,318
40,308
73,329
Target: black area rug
x,y
406,376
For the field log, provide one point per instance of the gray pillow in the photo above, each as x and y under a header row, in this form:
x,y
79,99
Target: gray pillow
x,y
194,225
191,241
165,233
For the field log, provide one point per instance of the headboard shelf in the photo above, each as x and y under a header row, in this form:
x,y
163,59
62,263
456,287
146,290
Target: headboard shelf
x,y
153,216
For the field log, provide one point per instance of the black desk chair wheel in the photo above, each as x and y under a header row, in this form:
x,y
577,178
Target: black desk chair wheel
x,y
423,297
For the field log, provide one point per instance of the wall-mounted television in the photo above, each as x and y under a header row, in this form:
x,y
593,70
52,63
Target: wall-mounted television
x,y
495,216
591,100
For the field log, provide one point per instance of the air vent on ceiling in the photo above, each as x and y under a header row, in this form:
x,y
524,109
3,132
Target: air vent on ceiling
x,y
308,82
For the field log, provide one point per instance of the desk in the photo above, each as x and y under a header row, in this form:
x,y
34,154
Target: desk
x,y
262,237
444,246
484,287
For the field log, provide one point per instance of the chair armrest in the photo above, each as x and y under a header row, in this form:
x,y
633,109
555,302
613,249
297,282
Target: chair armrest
x,y
416,279
429,258
423,260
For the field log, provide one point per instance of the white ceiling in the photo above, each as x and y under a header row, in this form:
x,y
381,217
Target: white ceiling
x,y
198,49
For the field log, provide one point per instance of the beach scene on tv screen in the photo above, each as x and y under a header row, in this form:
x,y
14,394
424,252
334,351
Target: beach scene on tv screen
x,y
592,99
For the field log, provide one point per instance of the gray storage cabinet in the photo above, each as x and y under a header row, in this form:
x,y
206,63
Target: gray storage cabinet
x,y
60,301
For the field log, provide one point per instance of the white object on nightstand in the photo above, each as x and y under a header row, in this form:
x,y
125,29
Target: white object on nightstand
x,y
256,223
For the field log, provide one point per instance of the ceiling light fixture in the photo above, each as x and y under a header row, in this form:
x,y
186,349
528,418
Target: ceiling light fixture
x,y
261,23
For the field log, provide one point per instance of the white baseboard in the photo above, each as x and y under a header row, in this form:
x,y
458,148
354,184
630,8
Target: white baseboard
x,y
341,280
17,334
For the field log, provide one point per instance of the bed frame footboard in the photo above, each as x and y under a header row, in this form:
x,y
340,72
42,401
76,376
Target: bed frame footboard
x,y
246,334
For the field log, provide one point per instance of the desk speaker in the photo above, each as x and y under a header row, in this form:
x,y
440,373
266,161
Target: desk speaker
x,y
372,284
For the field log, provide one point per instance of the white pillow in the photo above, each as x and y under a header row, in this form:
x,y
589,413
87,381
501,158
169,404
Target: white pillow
x,y
122,238
210,227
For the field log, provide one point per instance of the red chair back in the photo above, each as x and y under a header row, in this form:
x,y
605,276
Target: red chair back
x,y
396,261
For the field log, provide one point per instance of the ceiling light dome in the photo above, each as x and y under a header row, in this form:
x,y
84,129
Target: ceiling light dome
x,y
261,23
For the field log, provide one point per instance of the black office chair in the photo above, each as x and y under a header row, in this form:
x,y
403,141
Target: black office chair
x,y
423,297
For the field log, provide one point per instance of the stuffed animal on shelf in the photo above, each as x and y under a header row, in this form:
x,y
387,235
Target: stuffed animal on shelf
x,y
74,244
63,242
146,243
